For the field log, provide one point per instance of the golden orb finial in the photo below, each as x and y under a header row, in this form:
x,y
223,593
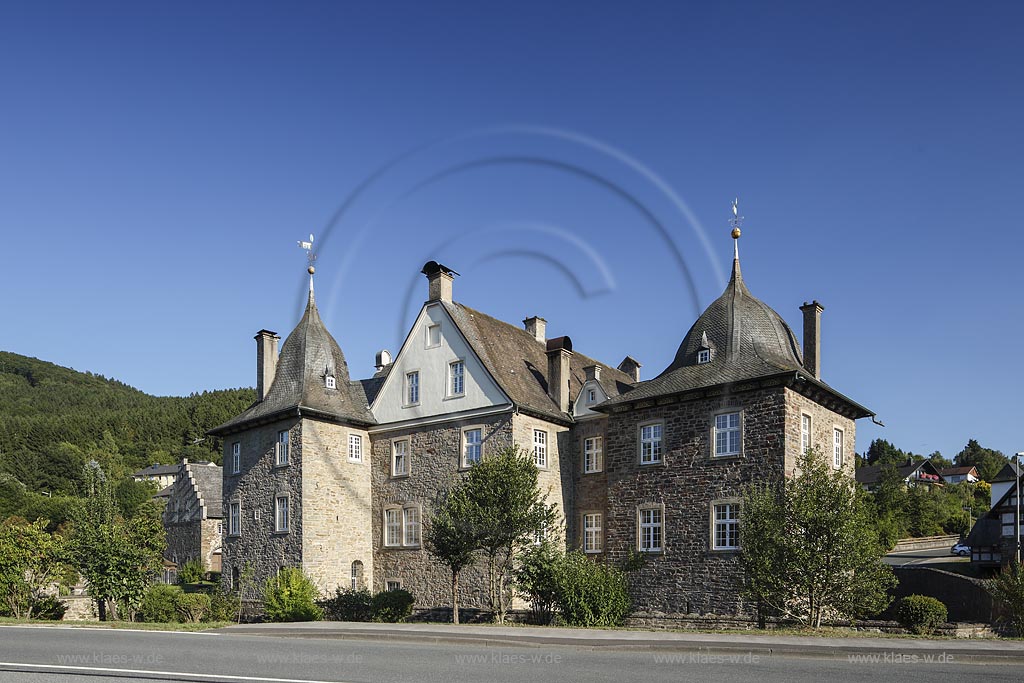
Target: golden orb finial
x,y
311,270
736,233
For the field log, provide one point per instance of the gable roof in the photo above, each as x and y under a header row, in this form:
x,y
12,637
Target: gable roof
x,y
519,364
872,474
157,470
748,340
299,388
958,471
1006,474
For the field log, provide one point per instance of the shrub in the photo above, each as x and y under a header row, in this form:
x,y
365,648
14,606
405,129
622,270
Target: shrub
x,y
291,596
348,605
160,604
591,593
49,607
192,607
1007,590
192,571
537,579
920,614
223,606
392,606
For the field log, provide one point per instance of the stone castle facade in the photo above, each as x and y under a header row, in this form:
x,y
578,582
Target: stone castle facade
x,y
338,476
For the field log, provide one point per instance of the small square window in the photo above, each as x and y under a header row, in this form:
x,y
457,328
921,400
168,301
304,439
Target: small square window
x,y
330,382
433,336
704,356
355,448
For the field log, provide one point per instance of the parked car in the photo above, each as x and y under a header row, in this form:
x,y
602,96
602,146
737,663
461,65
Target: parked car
x,y
961,549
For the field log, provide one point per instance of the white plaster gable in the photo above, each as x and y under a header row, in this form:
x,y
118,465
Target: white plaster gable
x,y
581,408
432,363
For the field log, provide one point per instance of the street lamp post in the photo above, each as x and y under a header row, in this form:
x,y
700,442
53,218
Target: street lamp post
x,y
1016,517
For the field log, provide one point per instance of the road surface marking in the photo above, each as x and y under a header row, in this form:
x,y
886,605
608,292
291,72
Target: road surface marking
x,y
48,668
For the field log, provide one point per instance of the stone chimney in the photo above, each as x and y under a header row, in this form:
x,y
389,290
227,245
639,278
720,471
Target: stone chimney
x,y
439,281
559,352
266,361
812,337
631,366
593,373
537,327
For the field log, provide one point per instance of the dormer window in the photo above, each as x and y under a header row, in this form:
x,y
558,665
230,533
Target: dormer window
x,y
591,396
330,382
704,356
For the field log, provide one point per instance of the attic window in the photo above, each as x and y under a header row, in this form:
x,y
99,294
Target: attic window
x,y
330,382
704,356
591,396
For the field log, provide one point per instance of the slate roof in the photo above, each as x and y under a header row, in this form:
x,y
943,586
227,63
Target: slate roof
x,y
207,481
748,340
1006,474
519,363
987,532
872,474
958,471
299,388
157,470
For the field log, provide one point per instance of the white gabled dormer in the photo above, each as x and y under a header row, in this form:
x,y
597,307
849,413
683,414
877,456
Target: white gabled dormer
x,y
591,394
436,372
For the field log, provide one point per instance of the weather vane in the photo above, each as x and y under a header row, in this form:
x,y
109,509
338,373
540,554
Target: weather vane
x,y
736,219
310,254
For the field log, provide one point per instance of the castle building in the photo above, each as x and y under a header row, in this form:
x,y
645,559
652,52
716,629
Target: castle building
x,y
338,475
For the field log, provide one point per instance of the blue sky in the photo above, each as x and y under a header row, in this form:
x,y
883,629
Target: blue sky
x,y
159,161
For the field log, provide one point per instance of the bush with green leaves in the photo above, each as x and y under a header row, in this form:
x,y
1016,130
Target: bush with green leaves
x,y
920,614
591,593
193,607
49,607
159,604
536,578
224,606
393,606
1007,590
291,596
192,571
348,605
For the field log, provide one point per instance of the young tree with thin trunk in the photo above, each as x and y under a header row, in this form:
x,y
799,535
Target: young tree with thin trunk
x,y
451,539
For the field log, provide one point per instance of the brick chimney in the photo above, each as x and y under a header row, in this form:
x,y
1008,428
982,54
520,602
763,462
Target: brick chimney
x,y
631,366
593,373
812,337
537,327
559,352
266,361
439,281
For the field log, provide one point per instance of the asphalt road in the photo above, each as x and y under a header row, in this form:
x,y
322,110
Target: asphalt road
x,y
52,655
923,557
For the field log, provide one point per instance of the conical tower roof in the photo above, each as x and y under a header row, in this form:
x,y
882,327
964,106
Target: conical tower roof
x,y
308,357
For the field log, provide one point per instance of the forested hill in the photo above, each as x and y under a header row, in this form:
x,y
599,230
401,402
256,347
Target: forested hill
x,y
53,419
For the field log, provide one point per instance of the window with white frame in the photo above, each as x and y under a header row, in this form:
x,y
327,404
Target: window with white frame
x,y
281,513
805,433
392,585
837,449
650,522
411,526
236,457
393,527
650,444
591,396
704,356
540,448
282,449
433,336
357,574
456,378
472,444
726,526
593,456
412,388
355,448
400,458
592,532
330,382
727,434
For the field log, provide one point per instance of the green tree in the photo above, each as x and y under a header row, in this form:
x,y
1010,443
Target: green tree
x,y
451,538
809,548
881,452
119,558
291,596
986,460
31,560
507,510
940,462
537,576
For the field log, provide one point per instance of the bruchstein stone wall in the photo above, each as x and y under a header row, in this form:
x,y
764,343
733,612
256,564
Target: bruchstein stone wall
x,y
591,489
